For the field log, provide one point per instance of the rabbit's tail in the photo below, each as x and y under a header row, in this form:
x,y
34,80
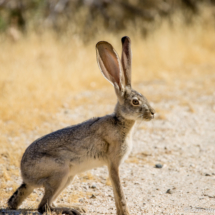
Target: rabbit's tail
x,y
19,196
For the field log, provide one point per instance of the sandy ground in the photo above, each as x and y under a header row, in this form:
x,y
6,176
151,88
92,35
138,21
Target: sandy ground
x,y
181,138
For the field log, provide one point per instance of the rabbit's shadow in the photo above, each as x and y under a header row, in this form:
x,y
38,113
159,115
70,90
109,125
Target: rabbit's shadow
x,y
58,210
19,212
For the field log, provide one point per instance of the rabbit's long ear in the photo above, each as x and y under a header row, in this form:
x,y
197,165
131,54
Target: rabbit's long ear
x,y
110,65
126,59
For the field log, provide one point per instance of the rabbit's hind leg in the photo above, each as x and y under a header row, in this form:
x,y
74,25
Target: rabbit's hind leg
x,y
68,208
67,182
53,186
19,196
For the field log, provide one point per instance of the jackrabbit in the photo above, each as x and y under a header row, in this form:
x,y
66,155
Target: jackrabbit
x,y
53,160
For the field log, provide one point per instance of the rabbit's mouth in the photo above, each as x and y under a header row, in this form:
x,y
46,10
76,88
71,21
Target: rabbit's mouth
x,y
147,117
149,114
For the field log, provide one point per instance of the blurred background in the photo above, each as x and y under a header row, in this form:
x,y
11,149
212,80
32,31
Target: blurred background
x,y
88,18
48,47
49,77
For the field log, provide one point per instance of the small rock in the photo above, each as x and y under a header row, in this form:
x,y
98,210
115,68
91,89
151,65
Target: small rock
x,y
81,200
207,174
169,191
66,112
93,186
93,196
8,189
158,165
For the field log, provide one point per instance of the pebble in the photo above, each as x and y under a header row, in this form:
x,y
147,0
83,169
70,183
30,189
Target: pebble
x,y
10,189
93,196
93,186
81,200
169,191
158,165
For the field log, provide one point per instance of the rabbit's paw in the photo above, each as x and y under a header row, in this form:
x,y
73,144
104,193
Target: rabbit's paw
x,y
79,208
74,206
70,212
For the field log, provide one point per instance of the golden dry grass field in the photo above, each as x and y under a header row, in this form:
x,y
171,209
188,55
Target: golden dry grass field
x,y
41,74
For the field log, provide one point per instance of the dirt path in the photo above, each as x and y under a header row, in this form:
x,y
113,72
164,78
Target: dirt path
x,y
181,139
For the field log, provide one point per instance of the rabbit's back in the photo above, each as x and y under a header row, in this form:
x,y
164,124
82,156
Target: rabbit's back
x,y
78,148
68,139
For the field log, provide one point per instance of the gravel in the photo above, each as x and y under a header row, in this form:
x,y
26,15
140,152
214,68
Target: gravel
x,y
172,154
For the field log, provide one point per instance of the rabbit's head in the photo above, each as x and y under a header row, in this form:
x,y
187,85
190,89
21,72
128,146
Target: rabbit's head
x,y
131,104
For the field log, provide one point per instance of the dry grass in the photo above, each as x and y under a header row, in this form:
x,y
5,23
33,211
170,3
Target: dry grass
x,y
39,73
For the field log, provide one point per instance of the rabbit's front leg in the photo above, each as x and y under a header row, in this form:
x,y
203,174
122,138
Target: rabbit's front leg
x,y
118,191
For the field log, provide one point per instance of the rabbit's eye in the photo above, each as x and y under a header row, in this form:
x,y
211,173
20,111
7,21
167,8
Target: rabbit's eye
x,y
135,102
